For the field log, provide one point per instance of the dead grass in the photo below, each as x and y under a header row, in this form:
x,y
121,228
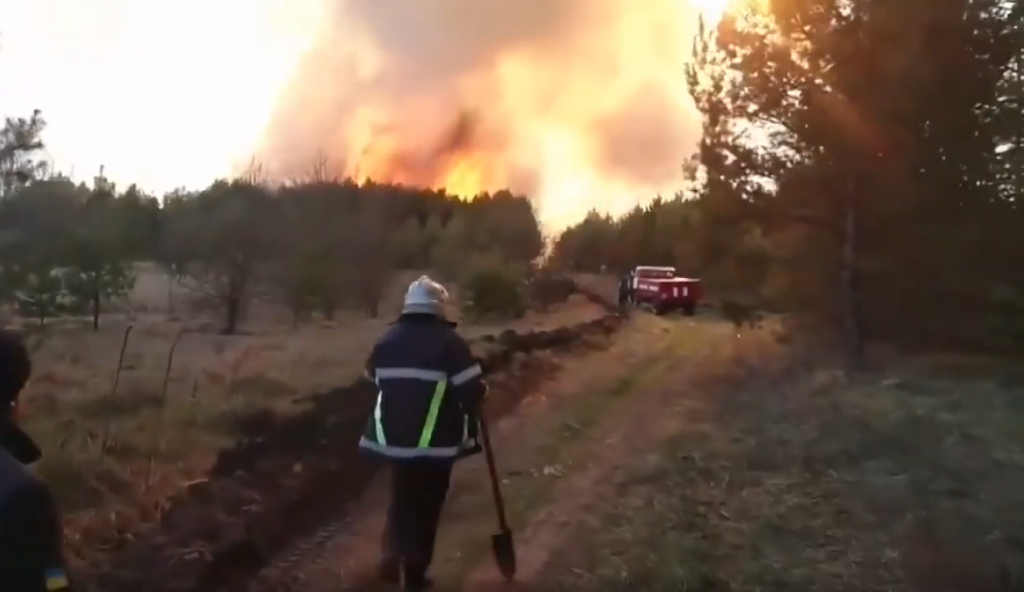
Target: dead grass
x,y
607,286
807,479
112,457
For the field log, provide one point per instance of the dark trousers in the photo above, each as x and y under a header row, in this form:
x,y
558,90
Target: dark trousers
x,y
418,492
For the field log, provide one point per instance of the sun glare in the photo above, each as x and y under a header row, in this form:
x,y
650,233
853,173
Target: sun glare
x,y
162,93
711,10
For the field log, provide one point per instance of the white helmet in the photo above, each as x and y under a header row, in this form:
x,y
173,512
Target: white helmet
x,y
425,296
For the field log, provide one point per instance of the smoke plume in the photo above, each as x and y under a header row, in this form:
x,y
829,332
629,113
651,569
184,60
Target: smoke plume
x,y
579,104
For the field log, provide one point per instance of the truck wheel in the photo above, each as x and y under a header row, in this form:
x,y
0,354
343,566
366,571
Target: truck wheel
x,y
689,309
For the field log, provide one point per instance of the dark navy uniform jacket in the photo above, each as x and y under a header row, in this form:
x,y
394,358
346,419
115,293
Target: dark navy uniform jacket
x,y
31,537
430,389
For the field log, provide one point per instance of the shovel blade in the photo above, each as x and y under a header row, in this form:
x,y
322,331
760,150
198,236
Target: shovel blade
x,y
504,554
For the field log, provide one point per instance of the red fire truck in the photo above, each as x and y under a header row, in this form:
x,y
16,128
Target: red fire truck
x,y
660,289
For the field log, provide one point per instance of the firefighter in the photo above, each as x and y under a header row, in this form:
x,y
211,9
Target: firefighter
x,y
31,537
625,283
430,389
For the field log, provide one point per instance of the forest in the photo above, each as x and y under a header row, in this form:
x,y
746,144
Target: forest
x,y
316,244
862,167
862,163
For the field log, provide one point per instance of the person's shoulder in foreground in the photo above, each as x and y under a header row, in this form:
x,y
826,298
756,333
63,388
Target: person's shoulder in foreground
x,y
31,554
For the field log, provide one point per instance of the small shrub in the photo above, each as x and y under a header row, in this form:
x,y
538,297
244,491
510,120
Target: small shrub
x,y
493,289
547,289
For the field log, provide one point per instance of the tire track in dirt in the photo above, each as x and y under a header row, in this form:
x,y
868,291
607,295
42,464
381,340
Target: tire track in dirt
x,y
619,443
348,561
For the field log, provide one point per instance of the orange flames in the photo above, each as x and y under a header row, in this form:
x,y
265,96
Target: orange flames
x,y
467,177
578,104
463,175
453,164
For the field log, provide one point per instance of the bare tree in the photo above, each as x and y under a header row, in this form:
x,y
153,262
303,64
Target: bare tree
x,y
229,231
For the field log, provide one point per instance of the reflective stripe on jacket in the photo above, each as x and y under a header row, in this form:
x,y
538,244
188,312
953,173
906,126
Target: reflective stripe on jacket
x,y
429,388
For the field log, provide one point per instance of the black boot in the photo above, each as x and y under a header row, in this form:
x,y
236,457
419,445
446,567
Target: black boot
x,y
416,578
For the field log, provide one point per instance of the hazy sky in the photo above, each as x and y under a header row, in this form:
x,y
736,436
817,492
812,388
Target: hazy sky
x,y
164,93
580,101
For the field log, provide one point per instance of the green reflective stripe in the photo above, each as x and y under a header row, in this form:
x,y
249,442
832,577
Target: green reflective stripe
x,y
376,420
428,427
435,407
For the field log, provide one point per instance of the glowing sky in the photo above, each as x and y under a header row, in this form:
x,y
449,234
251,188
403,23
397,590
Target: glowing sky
x,y
178,93
163,93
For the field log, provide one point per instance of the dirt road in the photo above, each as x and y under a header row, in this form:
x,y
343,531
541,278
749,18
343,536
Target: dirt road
x,y
685,456
558,453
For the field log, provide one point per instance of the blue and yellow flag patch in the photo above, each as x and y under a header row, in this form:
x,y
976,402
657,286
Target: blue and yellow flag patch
x,y
56,579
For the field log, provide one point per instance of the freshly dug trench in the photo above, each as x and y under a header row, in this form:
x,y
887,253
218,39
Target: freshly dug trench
x,y
339,472
288,476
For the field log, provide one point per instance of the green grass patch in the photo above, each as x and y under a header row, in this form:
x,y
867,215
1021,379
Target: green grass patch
x,y
861,485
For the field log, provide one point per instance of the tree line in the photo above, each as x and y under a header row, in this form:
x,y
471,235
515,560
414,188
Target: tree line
x,y
317,245
862,162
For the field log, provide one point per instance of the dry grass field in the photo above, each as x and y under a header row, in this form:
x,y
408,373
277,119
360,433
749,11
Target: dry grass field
x,y
112,452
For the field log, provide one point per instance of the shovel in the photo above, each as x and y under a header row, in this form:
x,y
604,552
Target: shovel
x,y
502,544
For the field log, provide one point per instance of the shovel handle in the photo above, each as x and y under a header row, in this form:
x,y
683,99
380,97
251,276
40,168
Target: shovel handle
x,y
492,470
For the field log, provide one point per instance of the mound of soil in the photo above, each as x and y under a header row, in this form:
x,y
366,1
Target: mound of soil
x,y
288,476
547,289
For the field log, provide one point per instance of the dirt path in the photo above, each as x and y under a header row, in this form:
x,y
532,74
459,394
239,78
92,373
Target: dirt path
x,y
624,438
558,447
